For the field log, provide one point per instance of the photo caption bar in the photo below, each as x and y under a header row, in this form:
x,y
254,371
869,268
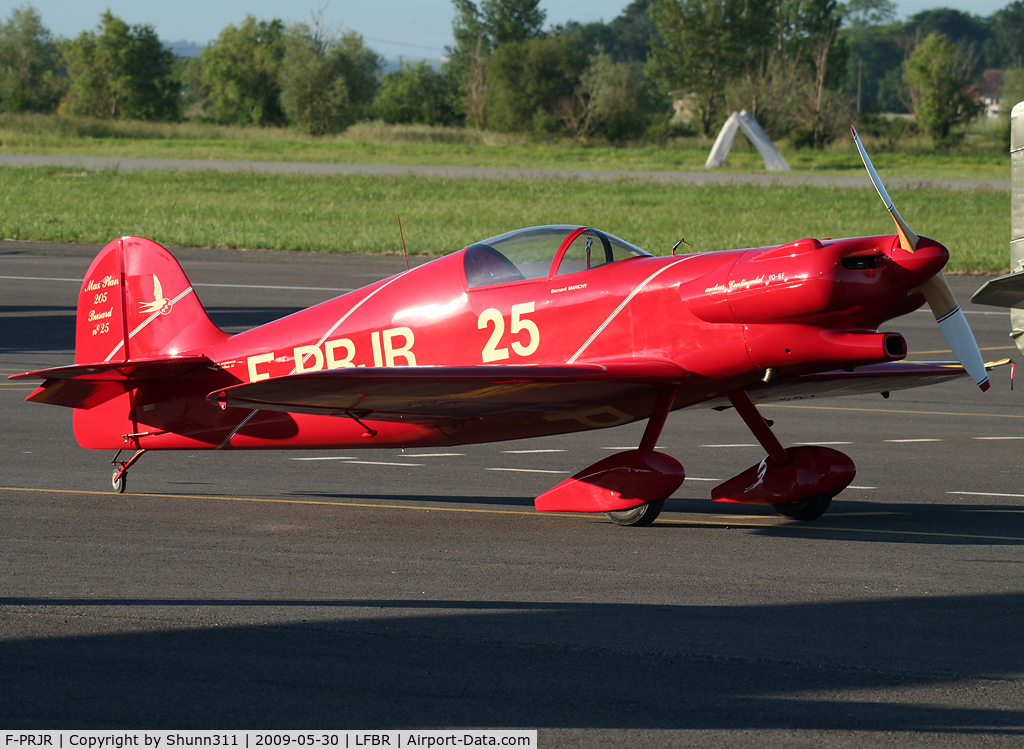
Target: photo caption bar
x,y
270,739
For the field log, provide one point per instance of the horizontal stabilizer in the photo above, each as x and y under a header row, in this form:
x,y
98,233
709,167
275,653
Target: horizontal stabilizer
x,y
88,385
1005,291
447,393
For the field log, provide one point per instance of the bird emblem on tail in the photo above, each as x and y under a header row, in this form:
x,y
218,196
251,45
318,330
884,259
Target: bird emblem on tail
x,y
160,303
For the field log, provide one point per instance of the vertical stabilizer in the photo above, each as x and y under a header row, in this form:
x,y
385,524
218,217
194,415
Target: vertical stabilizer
x,y
137,303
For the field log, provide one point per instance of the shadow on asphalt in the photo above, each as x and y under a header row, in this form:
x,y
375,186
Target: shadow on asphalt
x,y
433,664
237,319
42,329
870,522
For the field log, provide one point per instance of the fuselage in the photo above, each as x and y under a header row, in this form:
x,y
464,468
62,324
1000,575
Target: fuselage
x,y
725,317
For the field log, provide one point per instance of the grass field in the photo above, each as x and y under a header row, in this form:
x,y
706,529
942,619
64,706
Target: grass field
x,y
358,213
983,156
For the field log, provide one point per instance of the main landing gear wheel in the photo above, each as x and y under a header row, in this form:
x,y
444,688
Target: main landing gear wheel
x,y
639,516
119,483
811,508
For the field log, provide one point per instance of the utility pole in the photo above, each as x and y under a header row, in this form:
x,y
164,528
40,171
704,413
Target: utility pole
x,y
860,78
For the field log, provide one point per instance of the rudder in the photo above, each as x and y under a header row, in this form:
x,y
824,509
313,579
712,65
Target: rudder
x,y
137,303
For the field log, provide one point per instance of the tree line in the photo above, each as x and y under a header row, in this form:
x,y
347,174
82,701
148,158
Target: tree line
x,y
803,68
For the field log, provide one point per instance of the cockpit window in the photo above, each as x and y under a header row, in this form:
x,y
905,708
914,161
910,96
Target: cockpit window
x,y
592,249
485,265
530,253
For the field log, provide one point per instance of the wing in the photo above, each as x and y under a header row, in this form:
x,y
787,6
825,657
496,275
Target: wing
x,y
1005,291
486,403
433,394
876,378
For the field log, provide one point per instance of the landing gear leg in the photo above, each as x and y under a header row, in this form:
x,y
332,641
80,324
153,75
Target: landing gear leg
x,y
647,513
760,428
798,483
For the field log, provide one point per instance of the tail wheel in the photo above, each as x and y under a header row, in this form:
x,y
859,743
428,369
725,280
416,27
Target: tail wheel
x,y
641,515
811,508
119,482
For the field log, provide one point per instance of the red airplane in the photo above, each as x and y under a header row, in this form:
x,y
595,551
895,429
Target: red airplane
x,y
540,331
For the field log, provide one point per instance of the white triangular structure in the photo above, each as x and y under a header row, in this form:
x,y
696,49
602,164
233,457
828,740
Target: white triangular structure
x,y
742,120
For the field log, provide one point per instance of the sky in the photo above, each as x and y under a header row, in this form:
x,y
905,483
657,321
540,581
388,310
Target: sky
x,y
409,28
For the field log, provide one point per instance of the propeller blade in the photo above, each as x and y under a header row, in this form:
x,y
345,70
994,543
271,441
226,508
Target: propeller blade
x,y
954,328
936,289
908,240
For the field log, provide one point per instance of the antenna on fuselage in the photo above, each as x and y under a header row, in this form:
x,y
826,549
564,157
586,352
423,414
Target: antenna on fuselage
x,y
682,241
402,234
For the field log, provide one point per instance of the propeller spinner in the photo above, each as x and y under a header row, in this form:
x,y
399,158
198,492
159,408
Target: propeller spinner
x,y
936,289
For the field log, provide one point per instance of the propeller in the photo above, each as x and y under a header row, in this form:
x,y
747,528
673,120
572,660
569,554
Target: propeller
x,y
936,289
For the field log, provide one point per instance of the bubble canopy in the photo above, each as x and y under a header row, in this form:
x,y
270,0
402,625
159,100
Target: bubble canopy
x,y
543,251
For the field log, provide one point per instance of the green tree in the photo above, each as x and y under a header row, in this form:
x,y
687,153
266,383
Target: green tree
x,y
613,101
793,88
633,30
864,14
626,38
871,35
327,82
511,20
938,73
478,31
701,45
530,84
966,30
240,73
1007,24
30,75
824,57
465,66
415,94
122,72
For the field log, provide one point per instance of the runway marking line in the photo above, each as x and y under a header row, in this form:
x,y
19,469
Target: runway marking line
x,y
890,411
527,452
525,470
714,521
433,455
381,463
656,447
366,462
268,500
988,494
947,351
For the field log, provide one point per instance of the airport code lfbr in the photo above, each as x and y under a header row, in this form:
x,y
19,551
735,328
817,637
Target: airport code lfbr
x,y
258,739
